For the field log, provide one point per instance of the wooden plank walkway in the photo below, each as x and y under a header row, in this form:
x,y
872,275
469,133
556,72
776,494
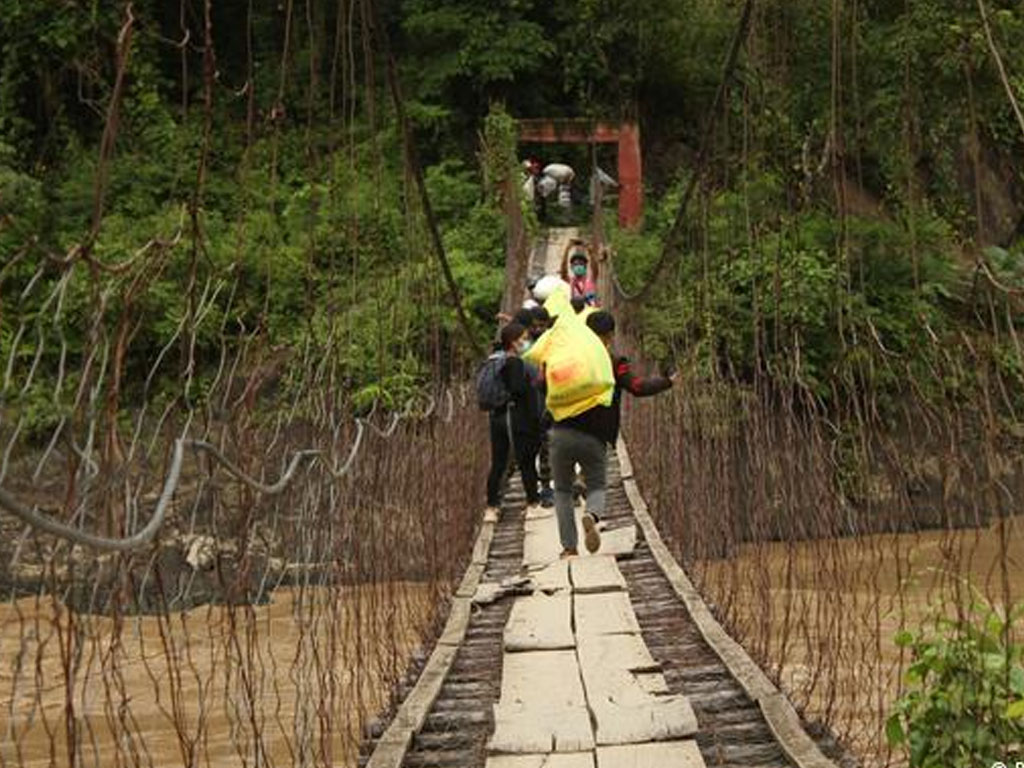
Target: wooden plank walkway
x,y
543,708
731,727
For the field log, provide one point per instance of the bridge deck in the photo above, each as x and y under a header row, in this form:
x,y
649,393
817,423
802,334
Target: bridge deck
x,y
602,661
474,720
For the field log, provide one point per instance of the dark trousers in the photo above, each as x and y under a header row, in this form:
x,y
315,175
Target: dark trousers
x,y
504,443
543,460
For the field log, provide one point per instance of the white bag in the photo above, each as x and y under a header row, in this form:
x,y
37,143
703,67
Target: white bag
x,y
560,172
547,285
528,188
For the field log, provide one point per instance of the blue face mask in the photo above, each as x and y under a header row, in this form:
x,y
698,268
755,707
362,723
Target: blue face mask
x,y
579,270
523,346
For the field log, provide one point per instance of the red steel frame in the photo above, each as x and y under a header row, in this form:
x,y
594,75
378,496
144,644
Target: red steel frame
x,y
626,135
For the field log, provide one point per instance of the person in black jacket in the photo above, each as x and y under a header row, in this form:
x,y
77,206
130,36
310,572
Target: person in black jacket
x,y
603,324
602,422
515,427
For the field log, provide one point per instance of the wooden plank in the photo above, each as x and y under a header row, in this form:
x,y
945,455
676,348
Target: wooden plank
x,y
458,620
539,513
652,682
665,754
391,749
785,725
541,544
471,580
631,652
597,573
604,613
482,546
619,542
542,707
540,623
552,578
777,710
557,760
625,466
488,591
624,711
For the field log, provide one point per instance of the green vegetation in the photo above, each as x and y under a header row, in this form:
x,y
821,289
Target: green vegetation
x,y
964,705
273,168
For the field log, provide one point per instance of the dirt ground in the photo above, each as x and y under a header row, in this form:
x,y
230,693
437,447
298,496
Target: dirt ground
x,y
824,614
288,683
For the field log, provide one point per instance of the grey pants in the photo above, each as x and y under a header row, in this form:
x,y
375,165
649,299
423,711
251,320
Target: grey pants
x,y
569,447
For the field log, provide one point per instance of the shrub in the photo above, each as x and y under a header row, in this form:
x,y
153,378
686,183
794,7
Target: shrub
x,y
964,705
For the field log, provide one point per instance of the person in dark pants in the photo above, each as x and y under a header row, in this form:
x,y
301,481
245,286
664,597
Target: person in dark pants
x,y
515,427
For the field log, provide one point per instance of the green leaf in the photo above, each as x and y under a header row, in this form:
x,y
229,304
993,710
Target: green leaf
x,y
1015,710
1017,680
894,731
904,639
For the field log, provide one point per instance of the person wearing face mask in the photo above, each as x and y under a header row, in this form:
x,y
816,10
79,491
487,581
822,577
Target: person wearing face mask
x,y
579,273
514,426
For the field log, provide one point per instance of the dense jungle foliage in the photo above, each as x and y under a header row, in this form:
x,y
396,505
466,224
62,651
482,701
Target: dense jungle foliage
x,y
252,148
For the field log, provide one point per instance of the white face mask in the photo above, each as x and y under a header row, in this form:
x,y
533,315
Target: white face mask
x,y
523,346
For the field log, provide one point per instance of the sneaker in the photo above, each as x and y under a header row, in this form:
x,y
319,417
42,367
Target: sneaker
x,y
591,536
491,514
547,498
567,553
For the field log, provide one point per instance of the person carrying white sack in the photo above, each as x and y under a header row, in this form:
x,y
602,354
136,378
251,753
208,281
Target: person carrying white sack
x,y
563,176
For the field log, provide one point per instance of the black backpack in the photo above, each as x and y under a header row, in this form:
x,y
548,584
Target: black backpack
x,y
491,392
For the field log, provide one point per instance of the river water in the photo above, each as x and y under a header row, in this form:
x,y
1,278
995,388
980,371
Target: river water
x,y
821,616
289,683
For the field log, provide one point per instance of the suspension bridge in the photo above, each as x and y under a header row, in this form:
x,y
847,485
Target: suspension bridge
x,y
228,542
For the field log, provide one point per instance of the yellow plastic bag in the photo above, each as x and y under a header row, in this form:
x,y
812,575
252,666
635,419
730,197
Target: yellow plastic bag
x,y
577,366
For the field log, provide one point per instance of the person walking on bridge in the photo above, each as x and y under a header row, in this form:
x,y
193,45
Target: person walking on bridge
x,y
579,273
514,416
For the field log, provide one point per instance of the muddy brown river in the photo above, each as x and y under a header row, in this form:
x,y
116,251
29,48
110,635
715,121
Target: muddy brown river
x,y
289,683
821,616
